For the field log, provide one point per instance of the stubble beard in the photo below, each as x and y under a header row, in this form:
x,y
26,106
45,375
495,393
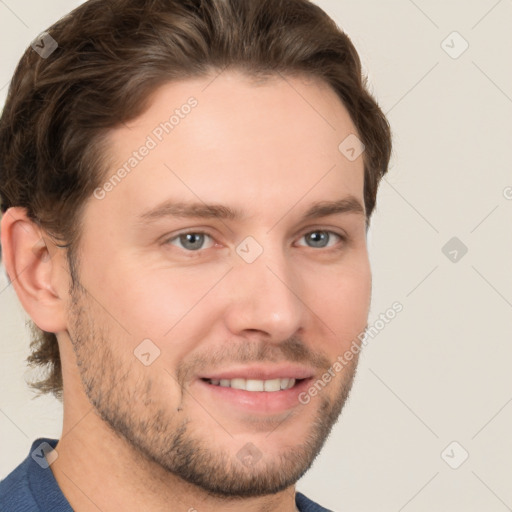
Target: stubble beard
x,y
121,393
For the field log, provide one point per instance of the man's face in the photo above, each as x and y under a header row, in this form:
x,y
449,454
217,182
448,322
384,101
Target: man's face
x,y
171,309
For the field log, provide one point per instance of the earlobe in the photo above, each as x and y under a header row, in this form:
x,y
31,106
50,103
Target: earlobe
x,y
34,268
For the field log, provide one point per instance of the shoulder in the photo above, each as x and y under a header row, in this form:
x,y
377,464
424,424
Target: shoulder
x,y
31,486
304,504
15,493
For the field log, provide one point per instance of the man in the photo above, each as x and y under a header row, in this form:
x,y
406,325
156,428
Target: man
x,y
186,189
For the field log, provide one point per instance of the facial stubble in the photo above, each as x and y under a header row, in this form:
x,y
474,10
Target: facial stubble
x,y
124,395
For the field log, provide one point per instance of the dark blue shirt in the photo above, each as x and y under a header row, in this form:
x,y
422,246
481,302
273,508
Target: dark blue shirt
x,y
31,487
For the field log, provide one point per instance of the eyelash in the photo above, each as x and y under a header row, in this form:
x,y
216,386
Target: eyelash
x,y
168,241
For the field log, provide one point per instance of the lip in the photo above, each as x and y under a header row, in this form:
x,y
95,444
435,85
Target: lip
x,y
262,403
262,372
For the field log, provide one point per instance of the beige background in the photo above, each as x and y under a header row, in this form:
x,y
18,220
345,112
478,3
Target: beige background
x,y
440,371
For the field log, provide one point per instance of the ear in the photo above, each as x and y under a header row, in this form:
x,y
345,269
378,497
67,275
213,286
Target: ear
x,y
37,269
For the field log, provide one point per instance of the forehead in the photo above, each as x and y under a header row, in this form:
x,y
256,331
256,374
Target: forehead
x,y
230,140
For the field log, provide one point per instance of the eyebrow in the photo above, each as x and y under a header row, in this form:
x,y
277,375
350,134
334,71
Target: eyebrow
x,y
169,208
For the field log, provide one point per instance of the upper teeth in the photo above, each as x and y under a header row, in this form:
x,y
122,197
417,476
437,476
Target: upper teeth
x,y
254,385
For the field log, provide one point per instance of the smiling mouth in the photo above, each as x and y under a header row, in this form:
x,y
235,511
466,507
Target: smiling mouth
x,y
270,385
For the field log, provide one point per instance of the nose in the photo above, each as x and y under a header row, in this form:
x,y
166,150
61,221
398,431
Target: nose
x,y
266,296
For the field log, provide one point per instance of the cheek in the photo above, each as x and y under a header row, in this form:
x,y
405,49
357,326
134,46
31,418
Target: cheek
x,y
167,306
342,300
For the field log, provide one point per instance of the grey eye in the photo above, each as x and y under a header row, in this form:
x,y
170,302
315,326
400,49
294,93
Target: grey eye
x,y
191,241
319,239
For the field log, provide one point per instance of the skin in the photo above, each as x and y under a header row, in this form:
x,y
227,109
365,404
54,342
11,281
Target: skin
x,y
160,437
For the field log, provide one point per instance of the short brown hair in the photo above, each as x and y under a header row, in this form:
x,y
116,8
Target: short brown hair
x,y
111,55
